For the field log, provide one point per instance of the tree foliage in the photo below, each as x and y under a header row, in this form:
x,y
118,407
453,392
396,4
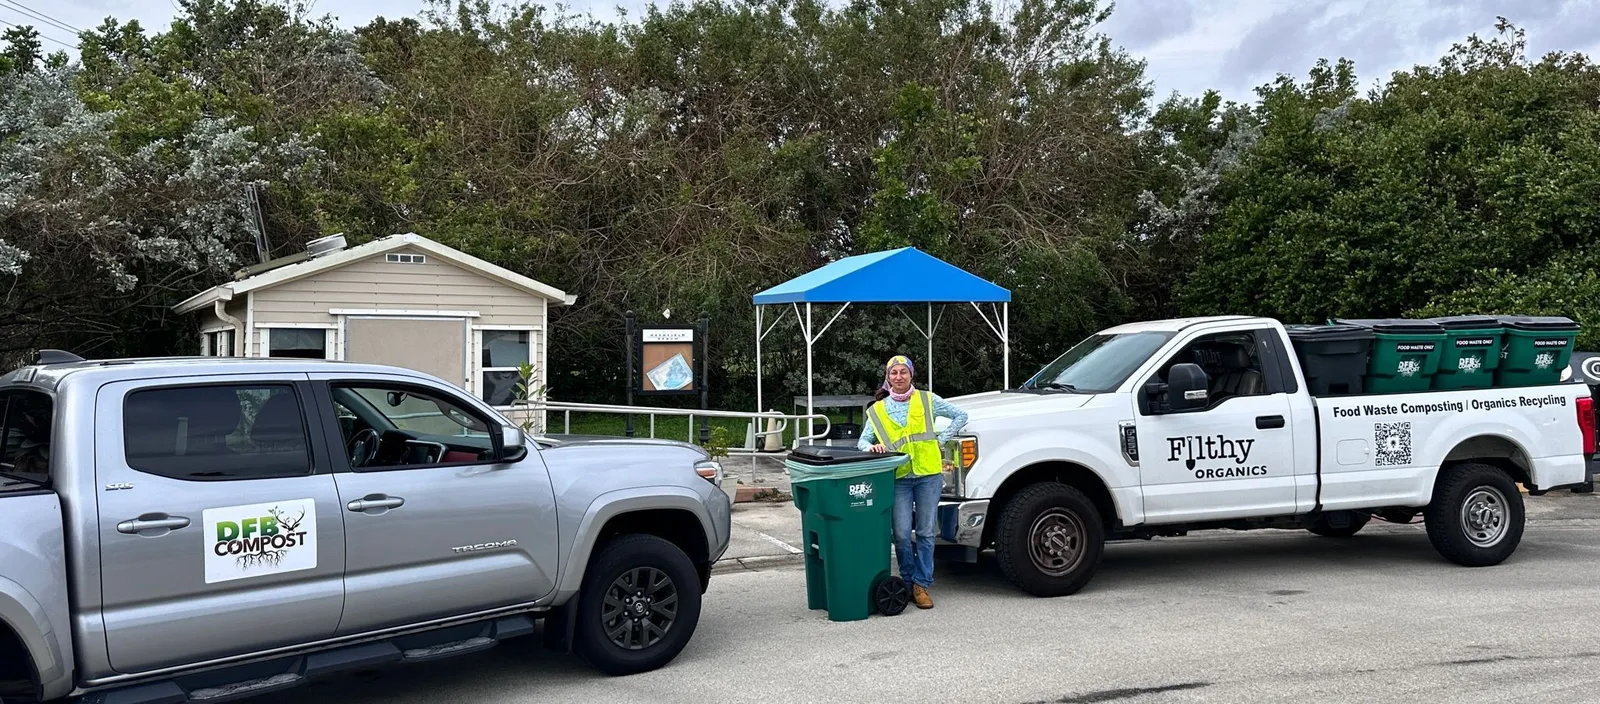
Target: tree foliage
x,y
702,152
1402,201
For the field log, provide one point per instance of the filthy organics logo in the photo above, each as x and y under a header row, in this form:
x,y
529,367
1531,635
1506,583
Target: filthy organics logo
x,y
260,540
1233,456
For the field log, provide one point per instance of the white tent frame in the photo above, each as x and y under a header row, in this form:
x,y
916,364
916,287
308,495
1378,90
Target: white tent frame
x,y
1000,326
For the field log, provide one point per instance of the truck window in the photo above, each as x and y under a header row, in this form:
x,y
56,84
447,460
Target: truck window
x,y
25,434
1100,363
1232,363
254,431
398,426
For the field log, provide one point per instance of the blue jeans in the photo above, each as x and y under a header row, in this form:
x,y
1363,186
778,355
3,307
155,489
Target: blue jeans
x,y
922,494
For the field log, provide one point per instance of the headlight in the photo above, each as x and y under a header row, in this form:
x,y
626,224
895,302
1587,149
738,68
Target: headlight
x,y
709,470
959,454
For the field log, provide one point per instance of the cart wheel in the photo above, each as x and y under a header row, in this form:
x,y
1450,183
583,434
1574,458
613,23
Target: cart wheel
x,y
890,596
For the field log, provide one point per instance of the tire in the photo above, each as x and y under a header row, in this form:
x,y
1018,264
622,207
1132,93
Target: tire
x,y
1339,524
639,560
1034,516
1476,516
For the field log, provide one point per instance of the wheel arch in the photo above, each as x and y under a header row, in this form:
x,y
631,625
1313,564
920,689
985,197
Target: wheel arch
x,y
16,663
1491,449
1065,472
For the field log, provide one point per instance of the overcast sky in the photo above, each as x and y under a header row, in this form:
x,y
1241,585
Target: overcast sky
x,y
1190,45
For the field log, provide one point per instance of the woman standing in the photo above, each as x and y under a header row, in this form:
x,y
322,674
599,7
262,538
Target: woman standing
x,y
901,420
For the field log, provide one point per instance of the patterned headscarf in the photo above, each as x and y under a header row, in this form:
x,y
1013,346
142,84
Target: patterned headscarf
x,y
898,359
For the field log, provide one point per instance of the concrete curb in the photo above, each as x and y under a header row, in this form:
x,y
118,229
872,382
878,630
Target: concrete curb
x,y
751,564
747,494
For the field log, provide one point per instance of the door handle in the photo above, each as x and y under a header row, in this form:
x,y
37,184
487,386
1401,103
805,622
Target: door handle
x,y
1264,422
372,502
152,521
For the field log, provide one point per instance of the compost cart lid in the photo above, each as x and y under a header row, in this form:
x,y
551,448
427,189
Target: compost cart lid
x,y
1327,333
1467,322
1538,323
1397,326
829,454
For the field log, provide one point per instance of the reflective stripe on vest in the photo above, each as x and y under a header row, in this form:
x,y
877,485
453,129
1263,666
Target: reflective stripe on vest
x,y
878,415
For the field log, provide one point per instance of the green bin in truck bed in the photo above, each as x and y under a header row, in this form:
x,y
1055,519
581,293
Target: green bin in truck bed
x,y
1471,352
1405,354
1536,350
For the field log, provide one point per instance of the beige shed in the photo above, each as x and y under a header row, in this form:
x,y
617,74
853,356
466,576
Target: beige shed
x,y
403,300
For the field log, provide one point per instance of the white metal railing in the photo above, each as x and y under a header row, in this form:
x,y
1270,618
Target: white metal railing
x,y
754,442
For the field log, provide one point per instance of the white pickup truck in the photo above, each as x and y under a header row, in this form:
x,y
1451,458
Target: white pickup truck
x,y
1125,436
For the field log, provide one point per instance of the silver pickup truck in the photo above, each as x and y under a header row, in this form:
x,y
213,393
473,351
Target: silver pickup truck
x,y
205,529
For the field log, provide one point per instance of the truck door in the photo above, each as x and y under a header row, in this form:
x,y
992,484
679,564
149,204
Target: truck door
x,y
220,530
436,525
1233,459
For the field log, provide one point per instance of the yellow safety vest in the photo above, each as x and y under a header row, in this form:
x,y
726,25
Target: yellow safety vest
x,y
916,438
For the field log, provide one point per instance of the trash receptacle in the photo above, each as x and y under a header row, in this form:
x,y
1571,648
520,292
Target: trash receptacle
x,y
1471,352
1332,357
846,502
1405,354
1536,350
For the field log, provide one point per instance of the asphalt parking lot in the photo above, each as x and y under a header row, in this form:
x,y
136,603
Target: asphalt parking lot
x,y
1225,617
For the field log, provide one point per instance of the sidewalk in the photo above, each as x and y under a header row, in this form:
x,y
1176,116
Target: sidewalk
x,y
765,534
766,525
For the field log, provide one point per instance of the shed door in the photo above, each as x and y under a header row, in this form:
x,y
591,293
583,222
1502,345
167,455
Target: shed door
x,y
436,346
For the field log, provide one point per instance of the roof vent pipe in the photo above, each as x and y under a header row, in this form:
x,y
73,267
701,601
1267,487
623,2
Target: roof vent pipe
x,y
326,245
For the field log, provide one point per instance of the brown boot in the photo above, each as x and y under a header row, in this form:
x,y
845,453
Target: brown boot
x,y
920,597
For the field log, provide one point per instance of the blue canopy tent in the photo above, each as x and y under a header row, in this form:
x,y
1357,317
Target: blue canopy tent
x,y
905,276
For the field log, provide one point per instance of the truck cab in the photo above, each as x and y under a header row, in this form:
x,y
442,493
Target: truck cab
x,y
1165,427
196,529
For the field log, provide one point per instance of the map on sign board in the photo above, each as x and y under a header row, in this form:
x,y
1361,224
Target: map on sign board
x,y
672,374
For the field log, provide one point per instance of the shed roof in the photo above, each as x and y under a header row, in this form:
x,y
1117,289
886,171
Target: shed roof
x,y
905,275
303,269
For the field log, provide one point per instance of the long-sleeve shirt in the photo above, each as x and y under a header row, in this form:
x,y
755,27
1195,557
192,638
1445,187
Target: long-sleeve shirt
x,y
899,411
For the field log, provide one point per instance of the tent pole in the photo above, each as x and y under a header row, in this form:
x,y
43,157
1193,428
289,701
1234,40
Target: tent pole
x,y
758,359
809,340
930,346
1005,334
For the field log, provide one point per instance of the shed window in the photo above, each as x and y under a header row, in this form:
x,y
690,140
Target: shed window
x,y
217,343
407,258
303,343
503,352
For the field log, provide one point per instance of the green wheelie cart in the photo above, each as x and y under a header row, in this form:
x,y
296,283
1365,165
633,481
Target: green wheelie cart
x,y
846,502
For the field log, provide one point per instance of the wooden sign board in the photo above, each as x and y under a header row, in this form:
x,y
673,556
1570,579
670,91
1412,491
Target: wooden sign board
x,y
667,360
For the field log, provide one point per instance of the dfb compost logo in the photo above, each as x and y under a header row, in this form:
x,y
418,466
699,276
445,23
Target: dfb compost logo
x,y
260,539
861,492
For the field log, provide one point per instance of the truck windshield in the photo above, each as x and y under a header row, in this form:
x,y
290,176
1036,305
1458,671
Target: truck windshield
x,y
1100,363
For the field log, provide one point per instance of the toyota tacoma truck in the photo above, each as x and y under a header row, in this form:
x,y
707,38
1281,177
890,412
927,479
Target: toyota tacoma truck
x,y
1158,429
205,529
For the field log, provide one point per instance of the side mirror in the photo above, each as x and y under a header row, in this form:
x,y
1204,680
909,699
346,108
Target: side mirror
x,y
1186,388
395,398
512,447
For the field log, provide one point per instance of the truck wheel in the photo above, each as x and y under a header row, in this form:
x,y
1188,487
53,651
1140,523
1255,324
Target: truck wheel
x,y
1476,516
638,607
1049,540
1339,524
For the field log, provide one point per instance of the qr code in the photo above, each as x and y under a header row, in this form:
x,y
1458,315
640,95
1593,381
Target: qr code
x,y
1394,443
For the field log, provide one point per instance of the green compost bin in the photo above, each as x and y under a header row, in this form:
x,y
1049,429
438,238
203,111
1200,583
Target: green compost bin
x,y
846,502
1405,354
1471,352
1536,350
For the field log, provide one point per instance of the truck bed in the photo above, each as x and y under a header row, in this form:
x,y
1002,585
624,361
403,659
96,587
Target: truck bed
x,y
1386,447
